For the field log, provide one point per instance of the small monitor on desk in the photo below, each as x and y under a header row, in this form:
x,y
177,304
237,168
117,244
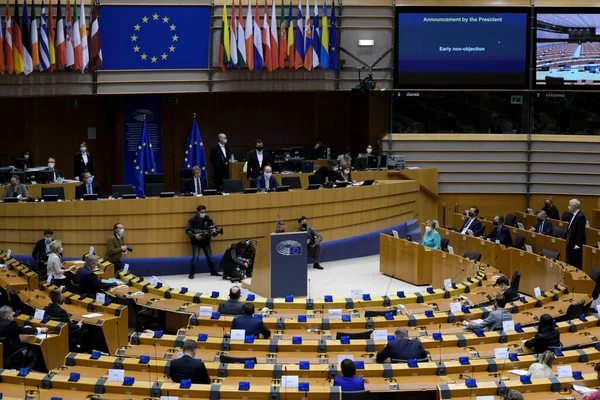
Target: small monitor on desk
x,y
209,192
360,163
46,176
90,196
372,162
32,176
282,188
11,199
129,196
250,190
167,194
293,165
50,197
341,184
20,162
368,182
307,166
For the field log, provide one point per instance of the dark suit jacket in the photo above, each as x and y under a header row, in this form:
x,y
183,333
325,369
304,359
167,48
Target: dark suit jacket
x,y
90,283
10,331
80,190
502,235
39,251
545,229
57,174
79,167
576,231
542,341
253,326
190,368
476,226
216,156
327,174
254,170
189,185
552,212
261,184
231,307
195,224
511,295
403,349
56,313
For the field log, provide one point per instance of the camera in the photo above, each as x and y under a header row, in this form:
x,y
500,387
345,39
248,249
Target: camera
x,y
129,249
214,231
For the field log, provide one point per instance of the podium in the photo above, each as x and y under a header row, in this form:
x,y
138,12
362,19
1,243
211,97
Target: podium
x,y
280,266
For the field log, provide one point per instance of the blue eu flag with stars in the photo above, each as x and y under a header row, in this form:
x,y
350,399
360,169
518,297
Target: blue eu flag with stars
x,y
155,37
143,163
194,152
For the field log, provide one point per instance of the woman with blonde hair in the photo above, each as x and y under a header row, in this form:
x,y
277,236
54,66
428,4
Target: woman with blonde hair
x,y
55,265
542,368
431,238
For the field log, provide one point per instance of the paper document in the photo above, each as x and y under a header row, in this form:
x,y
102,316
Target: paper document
x,y
519,372
92,315
583,390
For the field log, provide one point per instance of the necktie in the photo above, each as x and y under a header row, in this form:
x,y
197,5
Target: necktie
x,y
89,188
197,185
267,183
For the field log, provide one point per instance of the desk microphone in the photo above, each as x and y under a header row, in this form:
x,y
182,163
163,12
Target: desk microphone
x,y
155,364
503,364
572,294
164,283
455,276
362,306
440,345
285,387
389,284
308,297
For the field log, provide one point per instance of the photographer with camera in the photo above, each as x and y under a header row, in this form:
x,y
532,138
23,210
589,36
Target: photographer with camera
x,y
116,247
200,229
238,260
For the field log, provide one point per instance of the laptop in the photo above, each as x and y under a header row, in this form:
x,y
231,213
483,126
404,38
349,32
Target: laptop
x,y
368,182
11,200
92,196
250,190
167,194
129,196
314,186
50,197
283,188
341,184
209,192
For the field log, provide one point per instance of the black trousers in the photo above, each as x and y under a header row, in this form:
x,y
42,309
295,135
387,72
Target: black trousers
x,y
221,172
205,247
574,257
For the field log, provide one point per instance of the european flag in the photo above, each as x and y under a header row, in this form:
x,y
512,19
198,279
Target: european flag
x,y
333,53
155,37
194,152
143,163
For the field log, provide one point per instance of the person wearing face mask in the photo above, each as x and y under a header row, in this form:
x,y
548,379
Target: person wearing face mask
x,y
543,226
472,223
314,241
54,266
116,247
266,182
16,189
328,172
257,160
369,151
198,230
280,227
500,233
550,208
55,312
431,238
575,234
11,341
55,173
344,160
42,249
219,158
87,187
82,162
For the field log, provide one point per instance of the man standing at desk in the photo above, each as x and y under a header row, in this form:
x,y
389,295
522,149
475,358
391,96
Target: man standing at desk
x,y
116,247
198,229
42,250
575,234
219,158
55,173
16,189
257,160
314,241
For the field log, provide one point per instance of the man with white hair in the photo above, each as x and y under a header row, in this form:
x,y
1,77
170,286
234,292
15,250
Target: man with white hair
x,y
575,234
219,158
11,342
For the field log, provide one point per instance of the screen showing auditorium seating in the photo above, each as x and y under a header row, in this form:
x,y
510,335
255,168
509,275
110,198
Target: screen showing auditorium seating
x,y
461,47
567,48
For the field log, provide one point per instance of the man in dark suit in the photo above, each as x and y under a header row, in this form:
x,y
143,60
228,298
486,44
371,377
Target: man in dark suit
x,y
87,187
543,226
500,232
402,348
196,184
266,182
55,312
88,281
42,249
55,173
10,331
575,234
472,223
252,326
232,306
188,367
219,158
257,160
198,230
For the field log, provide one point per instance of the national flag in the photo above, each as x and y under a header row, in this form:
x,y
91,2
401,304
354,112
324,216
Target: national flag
x,y
274,44
333,53
282,37
33,30
291,44
51,49
1,49
266,38
258,48
59,41
85,51
26,39
95,42
76,39
241,39
249,38
324,38
308,40
8,42
299,38
224,45
143,161
17,43
69,36
233,57
44,51
316,47
194,152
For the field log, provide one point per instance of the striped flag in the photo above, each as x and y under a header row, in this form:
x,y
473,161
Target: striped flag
x,y
249,39
333,53
224,51
59,41
266,38
44,50
299,40
291,44
26,40
308,40
316,47
324,38
85,51
51,49
233,38
76,39
17,43
241,38
33,30
274,44
69,36
1,49
95,42
258,48
282,37
8,42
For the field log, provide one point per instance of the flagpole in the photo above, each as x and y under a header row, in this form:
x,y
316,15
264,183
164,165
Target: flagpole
x,y
194,115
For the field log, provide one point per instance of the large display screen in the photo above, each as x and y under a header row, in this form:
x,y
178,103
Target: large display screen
x,y
567,48
461,47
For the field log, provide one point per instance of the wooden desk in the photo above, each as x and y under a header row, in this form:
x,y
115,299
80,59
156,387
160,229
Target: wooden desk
x,y
53,346
106,270
405,260
69,188
591,259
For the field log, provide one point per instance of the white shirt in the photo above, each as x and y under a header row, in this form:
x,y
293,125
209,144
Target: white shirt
x,y
85,158
464,231
89,188
259,155
197,185
222,146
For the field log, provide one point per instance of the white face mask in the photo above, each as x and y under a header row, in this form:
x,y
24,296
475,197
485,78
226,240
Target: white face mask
x,y
89,180
51,165
268,175
121,232
346,171
428,228
60,250
224,141
26,156
570,207
369,150
48,240
83,149
335,168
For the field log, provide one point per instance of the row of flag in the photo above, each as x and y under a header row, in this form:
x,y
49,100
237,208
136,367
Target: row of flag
x,y
24,48
310,44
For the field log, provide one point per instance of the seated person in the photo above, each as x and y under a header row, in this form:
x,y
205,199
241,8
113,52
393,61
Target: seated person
x,y
16,189
55,312
196,184
367,153
237,260
54,266
343,175
495,319
431,238
402,348
543,226
42,249
596,394
55,174
10,331
500,232
472,223
349,382
232,306
345,160
542,368
266,182
189,367
88,281
550,208
547,335
87,187
280,227
251,325
327,172
509,293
